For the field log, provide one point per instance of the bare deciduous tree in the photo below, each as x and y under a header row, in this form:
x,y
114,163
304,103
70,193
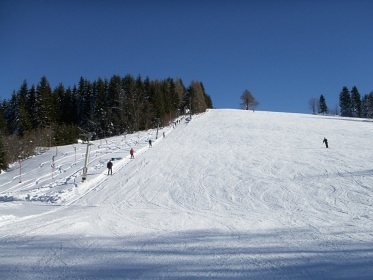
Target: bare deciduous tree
x,y
248,101
314,105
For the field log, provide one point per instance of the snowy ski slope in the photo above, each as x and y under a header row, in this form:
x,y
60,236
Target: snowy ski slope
x,y
231,194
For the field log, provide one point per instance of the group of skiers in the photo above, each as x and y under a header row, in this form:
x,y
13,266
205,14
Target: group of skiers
x,y
132,154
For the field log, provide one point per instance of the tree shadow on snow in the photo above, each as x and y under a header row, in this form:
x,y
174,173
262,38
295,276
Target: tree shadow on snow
x,y
187,255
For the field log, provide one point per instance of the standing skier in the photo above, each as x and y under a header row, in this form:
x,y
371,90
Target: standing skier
x,y
150,143
132,152
326,142
109,168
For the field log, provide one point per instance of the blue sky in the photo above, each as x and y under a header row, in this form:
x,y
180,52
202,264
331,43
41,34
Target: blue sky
x,y
284,52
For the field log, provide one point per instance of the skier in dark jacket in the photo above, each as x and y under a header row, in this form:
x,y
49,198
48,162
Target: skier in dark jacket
x,y
150,143
109,168
326,142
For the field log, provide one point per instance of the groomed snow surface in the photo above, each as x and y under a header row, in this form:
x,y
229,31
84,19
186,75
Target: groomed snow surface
x,y
230,194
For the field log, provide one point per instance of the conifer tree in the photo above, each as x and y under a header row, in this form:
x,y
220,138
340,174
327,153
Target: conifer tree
x,y
31,107
159,104
142,115
22,94
100,110
45,112
147,110
323,109
367,106
59,96
198,100
10,114
3,157
180,89
85,105
23,122
355,102
3,125
130,120
208,100
345,102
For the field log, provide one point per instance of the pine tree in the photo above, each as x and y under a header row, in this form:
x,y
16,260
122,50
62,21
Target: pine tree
x,y
45,112
198,98
31,107
140,102
10,114
100,110
207,97
59,96
322,105
159,104
129,102
367,106
22,121
355,102
345,102
85,105
147,110
3,126
3,157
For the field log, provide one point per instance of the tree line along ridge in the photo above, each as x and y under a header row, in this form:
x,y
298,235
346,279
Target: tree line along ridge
x,y
38,117
351,104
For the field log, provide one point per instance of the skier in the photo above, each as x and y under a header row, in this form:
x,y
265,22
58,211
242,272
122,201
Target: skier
x,y
326,142
164,135
109,168
150,143
131,153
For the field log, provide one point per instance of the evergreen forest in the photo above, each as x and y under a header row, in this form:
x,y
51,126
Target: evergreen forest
x,y
39,117
351,104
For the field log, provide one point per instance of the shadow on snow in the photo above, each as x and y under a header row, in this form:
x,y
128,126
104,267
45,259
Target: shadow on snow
x,y
186,255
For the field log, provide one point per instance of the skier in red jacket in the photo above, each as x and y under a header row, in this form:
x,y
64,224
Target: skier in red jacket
x,y
131,153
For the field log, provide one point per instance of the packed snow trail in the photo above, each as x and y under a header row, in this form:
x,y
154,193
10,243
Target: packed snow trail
x,y
231,194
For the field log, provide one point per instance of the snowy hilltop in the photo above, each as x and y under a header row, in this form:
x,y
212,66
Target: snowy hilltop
x,y
229,194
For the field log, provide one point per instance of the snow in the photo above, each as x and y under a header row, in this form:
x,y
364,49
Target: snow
x,y
231,194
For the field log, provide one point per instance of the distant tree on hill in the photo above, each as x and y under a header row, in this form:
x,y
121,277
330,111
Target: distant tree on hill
x,y
345,103
323,109
355,102
367,106
314,105
248,101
